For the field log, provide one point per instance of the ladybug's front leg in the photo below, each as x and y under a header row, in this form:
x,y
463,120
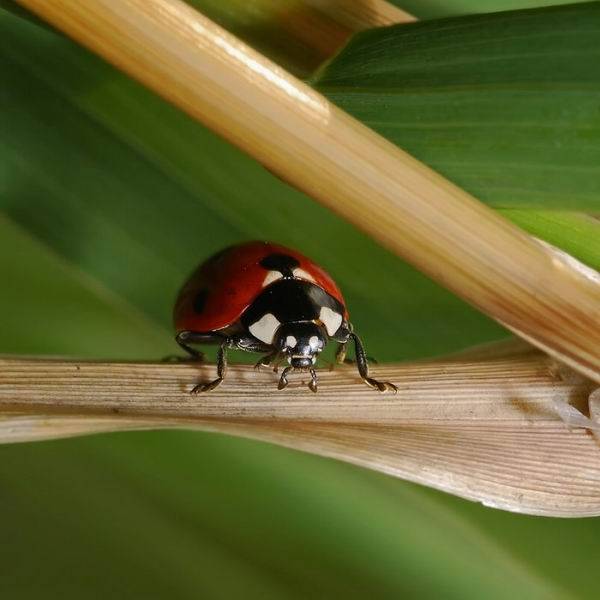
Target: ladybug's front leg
x,y
363,368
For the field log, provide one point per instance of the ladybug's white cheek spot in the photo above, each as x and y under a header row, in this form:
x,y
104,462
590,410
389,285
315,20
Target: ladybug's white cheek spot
x,y
271,277
302,274
291,341
264,329
331,319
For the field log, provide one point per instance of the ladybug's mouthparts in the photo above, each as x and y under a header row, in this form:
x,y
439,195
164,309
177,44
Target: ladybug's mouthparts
x,y
302,362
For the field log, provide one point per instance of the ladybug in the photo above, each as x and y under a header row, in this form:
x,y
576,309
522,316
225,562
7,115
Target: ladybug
x,y
263,297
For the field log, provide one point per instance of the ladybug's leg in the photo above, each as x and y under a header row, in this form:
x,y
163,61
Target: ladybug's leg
x,y
221,370
312,386
340,356
363,368
267,360
283,380
340,353
183,338
248,345
342,359
251,345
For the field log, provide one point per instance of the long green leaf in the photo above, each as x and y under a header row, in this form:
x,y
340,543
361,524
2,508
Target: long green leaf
x,y
577,234
49,307
505,105
429,9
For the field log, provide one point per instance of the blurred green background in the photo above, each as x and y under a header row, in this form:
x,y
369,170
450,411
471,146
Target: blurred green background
x,y
109,197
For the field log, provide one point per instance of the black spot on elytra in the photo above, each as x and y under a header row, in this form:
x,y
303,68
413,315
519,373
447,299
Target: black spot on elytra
x,y
283,263
200,301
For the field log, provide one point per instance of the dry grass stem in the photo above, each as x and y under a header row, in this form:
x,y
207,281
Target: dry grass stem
x,y
490,430
325,25
304,33
356,15
316,147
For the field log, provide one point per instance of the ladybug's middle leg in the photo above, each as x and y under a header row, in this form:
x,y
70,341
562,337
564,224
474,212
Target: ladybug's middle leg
x,y
340,353
185,338
341,357
221,370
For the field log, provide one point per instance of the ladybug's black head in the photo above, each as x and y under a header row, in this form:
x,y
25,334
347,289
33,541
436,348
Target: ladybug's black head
x,y
301,342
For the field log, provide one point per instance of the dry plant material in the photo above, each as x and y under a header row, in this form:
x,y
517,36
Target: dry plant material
x,y
324,26
302,34
327,24
489,430
356,15
307,141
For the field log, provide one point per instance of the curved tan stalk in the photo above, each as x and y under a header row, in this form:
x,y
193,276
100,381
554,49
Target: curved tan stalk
x,y
326,25
490,430
306,140
304,33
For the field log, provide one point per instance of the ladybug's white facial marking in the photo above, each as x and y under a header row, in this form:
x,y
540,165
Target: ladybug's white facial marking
x,y
313,342
331,319
291,341
264,329
302,274
271,277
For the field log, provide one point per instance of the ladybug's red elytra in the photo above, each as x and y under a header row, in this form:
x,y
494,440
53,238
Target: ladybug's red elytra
x,y
263,297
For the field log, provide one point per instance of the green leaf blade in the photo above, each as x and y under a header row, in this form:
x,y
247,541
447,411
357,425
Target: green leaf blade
x,y
505,105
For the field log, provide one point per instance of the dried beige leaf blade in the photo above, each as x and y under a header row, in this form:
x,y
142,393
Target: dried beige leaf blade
x,y
34,428
508,469
485,430
512,347
298,134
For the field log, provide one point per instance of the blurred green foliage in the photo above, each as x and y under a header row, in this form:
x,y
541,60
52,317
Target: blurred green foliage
x,y
109,197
